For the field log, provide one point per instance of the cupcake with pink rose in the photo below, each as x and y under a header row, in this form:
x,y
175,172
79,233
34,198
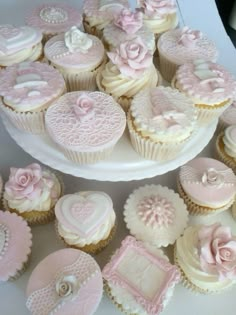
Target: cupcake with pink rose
x,y
129,71
15,246
125,26
159,16
32,193
206,257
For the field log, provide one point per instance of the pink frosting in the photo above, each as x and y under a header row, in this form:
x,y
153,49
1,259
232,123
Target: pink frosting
x,y
206,81
54,18
158,8
129,21
17,244
27,183
102,129
171,275
78,277
84,107
132,57
14,39
217,251
208,181
30,84
189,37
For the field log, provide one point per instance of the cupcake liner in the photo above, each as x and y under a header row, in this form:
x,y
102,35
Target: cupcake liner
x,y
222,155
151,150
90,248
22,270
195,209
233,210
32,122
167,68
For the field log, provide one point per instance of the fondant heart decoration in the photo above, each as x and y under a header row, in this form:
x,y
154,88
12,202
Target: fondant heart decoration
x,y
83,213
8,31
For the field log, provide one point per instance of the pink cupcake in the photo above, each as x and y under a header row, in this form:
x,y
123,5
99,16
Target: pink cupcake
x,y
78,56
85,125
19,44
97,14
67,281
207,186
54,18
209,85
26,91
15,246
183,45
127,25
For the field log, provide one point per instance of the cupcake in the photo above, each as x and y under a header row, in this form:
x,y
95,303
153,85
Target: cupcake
x,y
32,192
1,185
207,186
227,118
208,85
155,214
67,281
26,91
226,147
85,125
126,26
159,16
206,256
97,14
86,220
184,45
233,210
139,278
15,246
160,122
78,56
54,18
129,71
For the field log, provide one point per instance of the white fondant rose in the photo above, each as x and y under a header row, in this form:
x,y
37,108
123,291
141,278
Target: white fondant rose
x,y
132,58
189,37
84,108
25,182
67,286
158,8
77,41
129,21
212,177
217,251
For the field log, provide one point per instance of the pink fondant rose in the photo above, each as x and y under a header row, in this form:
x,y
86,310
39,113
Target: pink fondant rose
x,y
158,8
217,251
25,182
189,37
131,57
84,108
129,21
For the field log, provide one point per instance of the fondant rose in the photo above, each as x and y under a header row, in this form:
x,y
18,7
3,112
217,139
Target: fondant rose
x,y
217,251
84,108
129,21
189,37
212,177
77,41
67,286
131,58
25,182
158,8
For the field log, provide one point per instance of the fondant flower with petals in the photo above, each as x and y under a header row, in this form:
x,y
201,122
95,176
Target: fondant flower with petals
x,y
217,251
84,107
189,37
131,57
67,286
25,182
129,21
158,8
77,41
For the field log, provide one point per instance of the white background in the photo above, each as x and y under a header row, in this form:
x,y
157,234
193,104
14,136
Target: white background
x,y
197,14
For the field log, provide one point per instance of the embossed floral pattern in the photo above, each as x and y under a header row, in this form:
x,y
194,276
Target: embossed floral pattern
x,y
189,37
77,41
67,285
217,251
129,21
156,211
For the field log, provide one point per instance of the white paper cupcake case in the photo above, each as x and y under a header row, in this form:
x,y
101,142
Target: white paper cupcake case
x,y
167,68
222,155
206,116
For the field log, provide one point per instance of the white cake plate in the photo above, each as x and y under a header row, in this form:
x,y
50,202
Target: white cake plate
x,y
123,165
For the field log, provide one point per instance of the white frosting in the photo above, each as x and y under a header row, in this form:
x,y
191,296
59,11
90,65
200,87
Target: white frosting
x,y
188,259
162,24
77,41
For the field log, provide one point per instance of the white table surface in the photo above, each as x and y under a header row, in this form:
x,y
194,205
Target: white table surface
x,y
201,14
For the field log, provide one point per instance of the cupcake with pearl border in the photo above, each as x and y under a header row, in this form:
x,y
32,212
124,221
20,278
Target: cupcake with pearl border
x,y
86,220
32,193
206,257
15,246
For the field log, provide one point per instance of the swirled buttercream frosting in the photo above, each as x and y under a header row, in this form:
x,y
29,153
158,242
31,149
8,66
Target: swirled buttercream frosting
x,y
229,140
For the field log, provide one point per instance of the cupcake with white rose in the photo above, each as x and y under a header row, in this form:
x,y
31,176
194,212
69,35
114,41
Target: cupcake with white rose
x,y
78,56
206,256
129,71
32,193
